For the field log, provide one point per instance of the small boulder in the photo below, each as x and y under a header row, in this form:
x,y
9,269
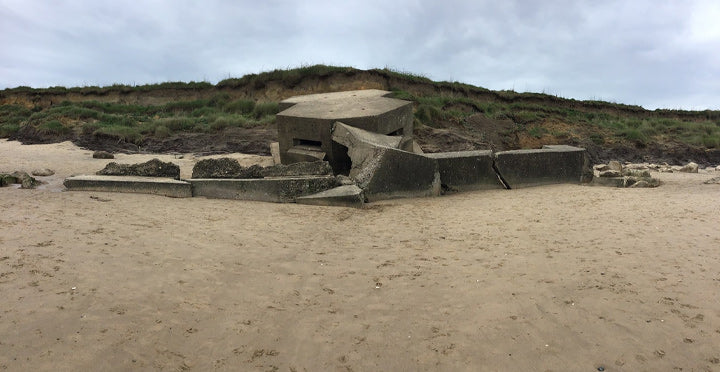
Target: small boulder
x,y
24,179
691,167
714,180
43,172
615,165
103,155
7,179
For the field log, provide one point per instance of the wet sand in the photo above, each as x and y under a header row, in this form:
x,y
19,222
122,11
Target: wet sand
x,y
553,278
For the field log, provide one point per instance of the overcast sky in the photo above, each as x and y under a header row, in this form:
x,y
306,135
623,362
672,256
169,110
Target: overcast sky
x,y
654,53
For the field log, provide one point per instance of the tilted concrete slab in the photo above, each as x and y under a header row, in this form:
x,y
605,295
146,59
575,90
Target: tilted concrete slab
x,y
385,172
308,121
549,165
342,196
130,184
467,170
276,189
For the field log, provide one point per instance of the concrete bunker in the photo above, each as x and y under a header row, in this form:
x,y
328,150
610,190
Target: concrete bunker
x,y
305,124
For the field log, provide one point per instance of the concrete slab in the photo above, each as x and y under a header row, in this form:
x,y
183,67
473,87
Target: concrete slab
x,y
275,152
549,165
347,95
342,196
467,170
130,184
385,172
277,190
300,154
308,121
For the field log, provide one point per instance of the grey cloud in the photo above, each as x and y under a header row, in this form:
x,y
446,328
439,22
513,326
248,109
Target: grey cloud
x,y
641,52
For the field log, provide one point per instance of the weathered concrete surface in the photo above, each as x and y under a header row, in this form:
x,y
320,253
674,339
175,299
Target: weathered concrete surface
x,y
549,165
299,154
341,196
305,125
319,97
130,184
278,190
467,170
275,152
315,168
385,172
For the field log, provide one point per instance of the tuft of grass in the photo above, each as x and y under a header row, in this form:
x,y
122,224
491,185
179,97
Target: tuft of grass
x,y
240,106
265,109
162,131
288,77
121,133
53,127
7,130
175,124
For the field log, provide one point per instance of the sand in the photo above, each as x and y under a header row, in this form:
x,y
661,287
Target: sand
x,y
555,278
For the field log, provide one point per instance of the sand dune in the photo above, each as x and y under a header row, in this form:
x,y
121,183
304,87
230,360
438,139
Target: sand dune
x,y
556,278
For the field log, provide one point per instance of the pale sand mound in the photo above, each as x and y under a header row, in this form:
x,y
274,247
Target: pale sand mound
x,y
550,278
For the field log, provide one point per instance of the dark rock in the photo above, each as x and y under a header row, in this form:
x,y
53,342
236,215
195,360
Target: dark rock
x,y
225,168
7,180
315,168
610,173
152,168
103,155
24,179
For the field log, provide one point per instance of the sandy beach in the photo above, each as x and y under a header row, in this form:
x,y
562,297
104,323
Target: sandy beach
x,y
554,278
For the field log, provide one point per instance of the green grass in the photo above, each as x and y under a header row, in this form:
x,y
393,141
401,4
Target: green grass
x,y
234,102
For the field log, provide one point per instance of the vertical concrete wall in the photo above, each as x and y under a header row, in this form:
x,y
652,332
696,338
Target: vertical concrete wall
x,y
549,165
467,170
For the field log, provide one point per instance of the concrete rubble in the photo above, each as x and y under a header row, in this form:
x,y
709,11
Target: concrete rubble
x,y
349,148
614,174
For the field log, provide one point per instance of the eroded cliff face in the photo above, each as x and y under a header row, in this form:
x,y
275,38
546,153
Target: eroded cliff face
x,y
268,91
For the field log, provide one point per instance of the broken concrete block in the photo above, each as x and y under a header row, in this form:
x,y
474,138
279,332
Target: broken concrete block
x,y
341,196
385,172
299,154
305,124
275,152
549,165
467,170
278,190
130,184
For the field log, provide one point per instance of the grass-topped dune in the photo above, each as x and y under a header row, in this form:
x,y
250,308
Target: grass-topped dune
x,y
238,114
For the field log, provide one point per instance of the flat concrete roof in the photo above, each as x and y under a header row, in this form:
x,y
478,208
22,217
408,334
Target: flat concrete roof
x,y
458,154
342,105
350,94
